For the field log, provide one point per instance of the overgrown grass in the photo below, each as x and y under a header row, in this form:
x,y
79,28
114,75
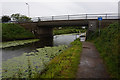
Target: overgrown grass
x,y
64,65
11,31
108,46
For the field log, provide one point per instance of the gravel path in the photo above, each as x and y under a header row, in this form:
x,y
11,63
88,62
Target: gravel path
x,y
91,65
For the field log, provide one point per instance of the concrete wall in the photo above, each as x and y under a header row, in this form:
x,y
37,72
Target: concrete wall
x,y
106,23
59,23
102,24
84,22
44,32
29,26
92,25
38,31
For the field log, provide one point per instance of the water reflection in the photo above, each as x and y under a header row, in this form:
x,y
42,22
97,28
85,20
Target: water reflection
x,y
64,39
10,52
82,39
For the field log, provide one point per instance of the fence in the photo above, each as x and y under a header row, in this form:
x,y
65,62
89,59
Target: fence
x,y
76,17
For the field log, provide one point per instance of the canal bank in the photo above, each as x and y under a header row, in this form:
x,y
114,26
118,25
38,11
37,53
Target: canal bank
x,y
64,65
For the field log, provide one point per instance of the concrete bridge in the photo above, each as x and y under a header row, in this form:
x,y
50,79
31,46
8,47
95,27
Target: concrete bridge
x,y
43,26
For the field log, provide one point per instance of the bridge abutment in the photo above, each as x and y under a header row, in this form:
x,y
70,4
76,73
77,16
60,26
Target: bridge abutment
x,y
39,32
92,25
44,32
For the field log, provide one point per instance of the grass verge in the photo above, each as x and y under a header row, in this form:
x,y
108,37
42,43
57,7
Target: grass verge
x,y
64,65
108,46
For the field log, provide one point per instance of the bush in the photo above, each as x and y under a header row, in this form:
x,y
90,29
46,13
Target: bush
x,y
5,18
11,31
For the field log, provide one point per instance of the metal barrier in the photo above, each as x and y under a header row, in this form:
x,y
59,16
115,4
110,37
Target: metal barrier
x,y
76,17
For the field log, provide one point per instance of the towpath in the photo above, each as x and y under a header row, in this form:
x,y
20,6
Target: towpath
x,y
91,65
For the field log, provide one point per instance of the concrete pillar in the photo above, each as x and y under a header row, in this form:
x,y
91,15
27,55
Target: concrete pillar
x,y
92,25
44,32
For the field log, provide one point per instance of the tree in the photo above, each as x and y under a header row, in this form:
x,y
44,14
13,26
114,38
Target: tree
x,y
15,17
20,18
24,19
5,18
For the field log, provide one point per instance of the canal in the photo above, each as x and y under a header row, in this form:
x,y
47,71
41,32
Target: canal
x,y
66,39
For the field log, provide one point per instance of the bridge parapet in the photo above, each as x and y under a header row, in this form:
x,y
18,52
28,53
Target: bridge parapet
x,y
77,17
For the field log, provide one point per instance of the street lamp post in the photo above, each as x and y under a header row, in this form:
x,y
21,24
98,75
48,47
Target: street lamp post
x,y
28,10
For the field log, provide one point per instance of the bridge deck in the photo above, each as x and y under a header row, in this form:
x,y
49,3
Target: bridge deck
x,y
78,22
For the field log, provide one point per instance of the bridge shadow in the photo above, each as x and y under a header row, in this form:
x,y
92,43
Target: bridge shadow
x,y
44,41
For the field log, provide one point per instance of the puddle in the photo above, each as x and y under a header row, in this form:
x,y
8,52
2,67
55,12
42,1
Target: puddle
x,y
86,47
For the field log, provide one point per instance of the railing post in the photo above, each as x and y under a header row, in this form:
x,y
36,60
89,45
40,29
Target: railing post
x,y
86,16
52,18
39,19
68,17
106,16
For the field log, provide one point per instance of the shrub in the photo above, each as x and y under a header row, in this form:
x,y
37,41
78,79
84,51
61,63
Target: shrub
x,y
11,31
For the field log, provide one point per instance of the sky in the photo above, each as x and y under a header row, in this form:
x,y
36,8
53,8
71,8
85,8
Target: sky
x,y
39,8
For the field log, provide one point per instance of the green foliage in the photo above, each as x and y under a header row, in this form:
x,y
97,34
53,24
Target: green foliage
x,y
20,18
64,65
15,16
24,19
108,46
11,31
16,43
29,64
67,30
76,42
5,18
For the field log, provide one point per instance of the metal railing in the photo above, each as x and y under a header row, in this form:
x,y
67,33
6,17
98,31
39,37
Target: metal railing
x,y
77,17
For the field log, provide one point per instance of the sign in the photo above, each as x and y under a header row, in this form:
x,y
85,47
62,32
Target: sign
x,y
100,18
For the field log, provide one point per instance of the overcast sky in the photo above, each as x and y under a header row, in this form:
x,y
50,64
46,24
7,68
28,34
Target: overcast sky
x,y
58,7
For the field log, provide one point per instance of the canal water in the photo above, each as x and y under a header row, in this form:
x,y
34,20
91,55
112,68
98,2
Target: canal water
x,y
8,53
